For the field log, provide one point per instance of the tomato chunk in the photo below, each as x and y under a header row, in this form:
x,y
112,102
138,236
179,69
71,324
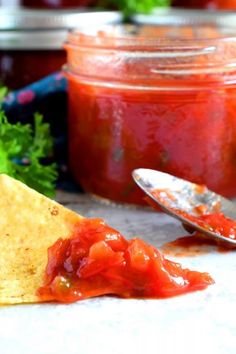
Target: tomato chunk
x,y
98,260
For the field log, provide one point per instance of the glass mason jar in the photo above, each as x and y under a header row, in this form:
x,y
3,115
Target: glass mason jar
x,y
160,97
206,4
31,41
56,4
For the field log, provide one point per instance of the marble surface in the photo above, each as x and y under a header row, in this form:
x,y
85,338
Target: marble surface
x,y
201,322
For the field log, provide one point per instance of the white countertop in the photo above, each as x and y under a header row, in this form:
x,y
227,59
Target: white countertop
x,y
203,321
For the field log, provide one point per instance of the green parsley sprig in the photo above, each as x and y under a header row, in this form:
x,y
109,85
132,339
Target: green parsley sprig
x,y
3,93
129,7
22,149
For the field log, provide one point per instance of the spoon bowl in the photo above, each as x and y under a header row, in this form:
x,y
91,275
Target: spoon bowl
x,y
181,199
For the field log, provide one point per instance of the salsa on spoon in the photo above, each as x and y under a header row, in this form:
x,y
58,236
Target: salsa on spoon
x,y
194,205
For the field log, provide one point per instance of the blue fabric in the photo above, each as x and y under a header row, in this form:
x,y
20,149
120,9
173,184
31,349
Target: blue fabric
x,y
26,99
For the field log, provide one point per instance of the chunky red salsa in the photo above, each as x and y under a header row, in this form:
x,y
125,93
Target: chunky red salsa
x,y
187,134
216,221
98,260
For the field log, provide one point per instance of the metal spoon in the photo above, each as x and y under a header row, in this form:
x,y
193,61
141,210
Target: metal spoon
x,y
186,197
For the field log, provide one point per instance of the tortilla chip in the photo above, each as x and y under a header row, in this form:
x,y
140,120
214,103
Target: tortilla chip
x,y
29,224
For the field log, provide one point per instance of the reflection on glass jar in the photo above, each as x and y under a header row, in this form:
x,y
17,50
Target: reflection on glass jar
x,y
155,97
206,4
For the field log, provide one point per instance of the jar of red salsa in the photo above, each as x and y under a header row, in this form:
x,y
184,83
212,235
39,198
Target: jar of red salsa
x,y
206,4
160,97
31,41
56,4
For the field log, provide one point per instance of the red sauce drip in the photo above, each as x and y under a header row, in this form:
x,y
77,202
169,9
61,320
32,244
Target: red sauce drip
x,y
190,246
98,260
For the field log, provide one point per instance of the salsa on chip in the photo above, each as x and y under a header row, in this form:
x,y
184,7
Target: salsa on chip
x,y
50,253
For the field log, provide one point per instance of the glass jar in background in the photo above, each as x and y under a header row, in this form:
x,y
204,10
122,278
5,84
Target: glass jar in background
x,y
57,4
22,66
31,41
206,4
160,97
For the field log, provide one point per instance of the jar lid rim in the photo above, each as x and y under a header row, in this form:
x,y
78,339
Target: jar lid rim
x,y
24,19
30,40
180,16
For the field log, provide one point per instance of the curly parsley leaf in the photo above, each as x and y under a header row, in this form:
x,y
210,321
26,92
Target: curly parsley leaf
x,y
129,7
22,150
3,93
